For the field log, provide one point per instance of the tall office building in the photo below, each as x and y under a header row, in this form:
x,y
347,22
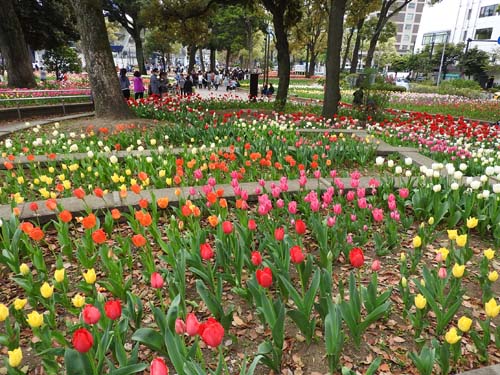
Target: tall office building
x,y
407,25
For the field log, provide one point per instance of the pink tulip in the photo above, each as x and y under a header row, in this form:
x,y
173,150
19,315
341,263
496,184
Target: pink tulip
x,y
180,326
192,325
442,273
376,265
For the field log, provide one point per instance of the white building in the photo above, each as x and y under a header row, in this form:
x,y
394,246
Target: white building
x,y
461,20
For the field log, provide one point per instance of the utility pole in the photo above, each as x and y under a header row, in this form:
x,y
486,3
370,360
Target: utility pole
x,y
442,61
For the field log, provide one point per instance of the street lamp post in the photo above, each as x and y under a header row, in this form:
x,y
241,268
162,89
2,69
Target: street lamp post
x,y
442,61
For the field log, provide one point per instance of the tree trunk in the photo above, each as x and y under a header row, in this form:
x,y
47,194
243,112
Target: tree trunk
x,y
108,97
202,63
347,47
357,45
14,48
250,50
333,55
192,57
139,51
312,64
228,58
371,49
212,59
283,61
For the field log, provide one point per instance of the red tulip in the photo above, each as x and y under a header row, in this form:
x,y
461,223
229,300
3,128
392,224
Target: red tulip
x,y
79,193
192,325
158,367
227,227
98,192
376,265
180,326
252,225
33,206
99,236
264,277
356,257
156,280
256,258
296,255
82,340
279,234
211,332
300,227
138,240
113,309
206,251
91,314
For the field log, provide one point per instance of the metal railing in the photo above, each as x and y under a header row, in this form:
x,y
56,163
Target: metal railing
x,y
60,99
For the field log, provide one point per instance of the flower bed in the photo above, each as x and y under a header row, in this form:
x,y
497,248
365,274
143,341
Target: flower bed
x,y
395,277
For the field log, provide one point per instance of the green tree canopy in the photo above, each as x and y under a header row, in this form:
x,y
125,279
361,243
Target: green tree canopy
x,y
62,59
474,63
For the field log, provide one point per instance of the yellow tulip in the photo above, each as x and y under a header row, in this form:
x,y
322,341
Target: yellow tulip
x,y
493,276
15,357
452,234
461,240
4,312
472,222
491,308
452,336
24,269
78,300
46,290
20,303
464,323
458,270
403,257
444,252
422,282
35,319
430,221
417,241
90,276
489,254
420,301
59,275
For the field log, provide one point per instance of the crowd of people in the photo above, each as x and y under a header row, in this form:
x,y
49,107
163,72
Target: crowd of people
x,y
181,83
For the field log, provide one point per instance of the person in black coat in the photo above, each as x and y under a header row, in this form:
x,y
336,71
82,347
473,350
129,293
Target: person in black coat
x,y
188,86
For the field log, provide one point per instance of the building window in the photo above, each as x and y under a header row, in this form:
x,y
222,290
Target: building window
x,y
483,33
411,6
464,38
404,48
469,14
407,27
409,17
406,38
488,11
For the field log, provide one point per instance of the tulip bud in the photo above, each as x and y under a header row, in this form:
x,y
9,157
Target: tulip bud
x,y
442,273
180,327
376,265
404,282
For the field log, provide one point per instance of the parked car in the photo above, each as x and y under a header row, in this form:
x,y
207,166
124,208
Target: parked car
x,y
402,82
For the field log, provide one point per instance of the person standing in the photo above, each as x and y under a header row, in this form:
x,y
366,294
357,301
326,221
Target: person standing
x,y
125,83
138,85
182,82
200,80
163,83
154,83
43,75
188,86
